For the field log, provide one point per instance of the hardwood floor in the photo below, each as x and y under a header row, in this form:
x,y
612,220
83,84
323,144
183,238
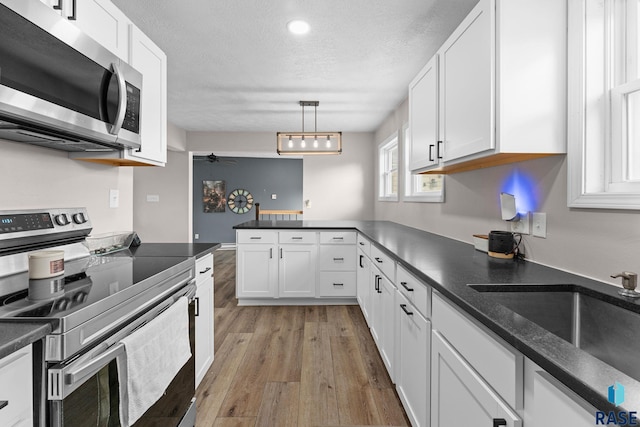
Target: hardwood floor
x,y
292,366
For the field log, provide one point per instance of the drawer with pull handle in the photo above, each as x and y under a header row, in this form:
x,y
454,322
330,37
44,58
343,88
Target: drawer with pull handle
x,y
384,263
418,293
256,236
204,267
338,237
364,245
338,258
301,237
337,284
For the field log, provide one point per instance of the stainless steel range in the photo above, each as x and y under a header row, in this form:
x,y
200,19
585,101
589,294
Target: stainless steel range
x,y
96,303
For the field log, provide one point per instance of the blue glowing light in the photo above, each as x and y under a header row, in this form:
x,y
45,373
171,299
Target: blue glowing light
x,y
524,188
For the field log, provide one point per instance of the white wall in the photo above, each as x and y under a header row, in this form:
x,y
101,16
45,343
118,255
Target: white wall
x,y
169,219
34,177
589,242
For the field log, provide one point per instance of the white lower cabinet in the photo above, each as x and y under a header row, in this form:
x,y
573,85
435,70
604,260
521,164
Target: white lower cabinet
x,y
383,316
204,316
363,283
553,404
412,368
257,271
460,396
16,388
297,270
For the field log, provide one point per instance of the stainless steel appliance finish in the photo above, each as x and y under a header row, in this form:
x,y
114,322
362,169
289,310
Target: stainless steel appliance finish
x,y
61,89
103,300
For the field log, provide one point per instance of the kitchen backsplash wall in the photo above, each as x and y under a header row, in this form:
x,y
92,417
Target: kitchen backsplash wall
x,y
590,242
35,177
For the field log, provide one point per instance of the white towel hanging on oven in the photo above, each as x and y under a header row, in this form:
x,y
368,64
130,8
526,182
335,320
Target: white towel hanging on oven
x,y
153,356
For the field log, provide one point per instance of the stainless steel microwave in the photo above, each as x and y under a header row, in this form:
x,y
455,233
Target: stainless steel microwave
x,y
61,89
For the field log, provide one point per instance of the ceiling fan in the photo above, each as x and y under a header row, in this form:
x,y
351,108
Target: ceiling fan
x,y
212,158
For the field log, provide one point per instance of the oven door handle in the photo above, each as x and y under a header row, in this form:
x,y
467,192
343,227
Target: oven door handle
x,y
64,379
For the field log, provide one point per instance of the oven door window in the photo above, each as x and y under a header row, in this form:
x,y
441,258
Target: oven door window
x,y
94,403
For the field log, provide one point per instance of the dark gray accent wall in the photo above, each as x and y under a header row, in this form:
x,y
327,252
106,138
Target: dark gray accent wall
x,y
261,177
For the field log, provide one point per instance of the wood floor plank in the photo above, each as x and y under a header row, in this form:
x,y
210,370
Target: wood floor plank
x,y
356,400
214,386
279,405
245,393
376,370
340,321
285,351
318,400
235,422
223,320
389,408
315,313
247,319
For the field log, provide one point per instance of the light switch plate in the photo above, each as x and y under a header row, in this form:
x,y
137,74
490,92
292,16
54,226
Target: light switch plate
x,y
539,226
114,198
153,198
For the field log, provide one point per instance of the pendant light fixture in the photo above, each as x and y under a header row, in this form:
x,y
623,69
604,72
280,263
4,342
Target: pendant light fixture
x,y
304,143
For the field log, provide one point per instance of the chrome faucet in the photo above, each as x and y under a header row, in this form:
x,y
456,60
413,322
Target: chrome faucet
x,y
629,283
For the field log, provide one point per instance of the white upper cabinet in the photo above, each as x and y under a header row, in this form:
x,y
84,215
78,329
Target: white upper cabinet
x,y
467,85
99,19
151,61
501,89
423,118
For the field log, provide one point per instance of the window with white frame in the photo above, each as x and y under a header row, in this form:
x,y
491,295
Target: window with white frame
x,y
604,104
388,182
420,187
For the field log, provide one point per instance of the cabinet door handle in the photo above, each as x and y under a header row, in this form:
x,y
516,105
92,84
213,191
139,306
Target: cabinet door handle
x,y
255,238
361,243
376,284
379,260
338,284
270,253
338,259
338,238
431,152
360,262
197,299
58,6
438,154
205,270
404,308
296,238
73,11
379,279
497,422
280,253
4,403
404,285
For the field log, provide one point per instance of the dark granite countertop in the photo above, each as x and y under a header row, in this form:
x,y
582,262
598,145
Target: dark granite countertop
x,y
449,266
15,335
174,249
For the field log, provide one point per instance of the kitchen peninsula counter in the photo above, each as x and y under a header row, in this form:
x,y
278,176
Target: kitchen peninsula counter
x,y
448,266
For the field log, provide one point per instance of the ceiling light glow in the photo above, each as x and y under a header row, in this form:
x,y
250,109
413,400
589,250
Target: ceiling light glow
x,y
298,26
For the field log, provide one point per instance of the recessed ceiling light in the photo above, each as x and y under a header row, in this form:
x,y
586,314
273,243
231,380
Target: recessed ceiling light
x,y
298,27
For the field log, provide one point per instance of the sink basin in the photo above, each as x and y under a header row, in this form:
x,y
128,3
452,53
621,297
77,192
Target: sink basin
x,y
585,318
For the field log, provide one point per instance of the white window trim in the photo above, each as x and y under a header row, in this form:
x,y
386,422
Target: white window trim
x,y
407,188
385,145
577,196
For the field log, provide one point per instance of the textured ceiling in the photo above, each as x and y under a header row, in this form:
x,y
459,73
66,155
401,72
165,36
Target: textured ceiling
x,y
233,66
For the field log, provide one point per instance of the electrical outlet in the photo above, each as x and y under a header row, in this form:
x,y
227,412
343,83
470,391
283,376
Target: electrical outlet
x,y
274,196
539,225
154,198
522,226
197,236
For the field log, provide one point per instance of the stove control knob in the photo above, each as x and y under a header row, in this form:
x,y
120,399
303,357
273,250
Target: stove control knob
x,y
79,218
61,219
